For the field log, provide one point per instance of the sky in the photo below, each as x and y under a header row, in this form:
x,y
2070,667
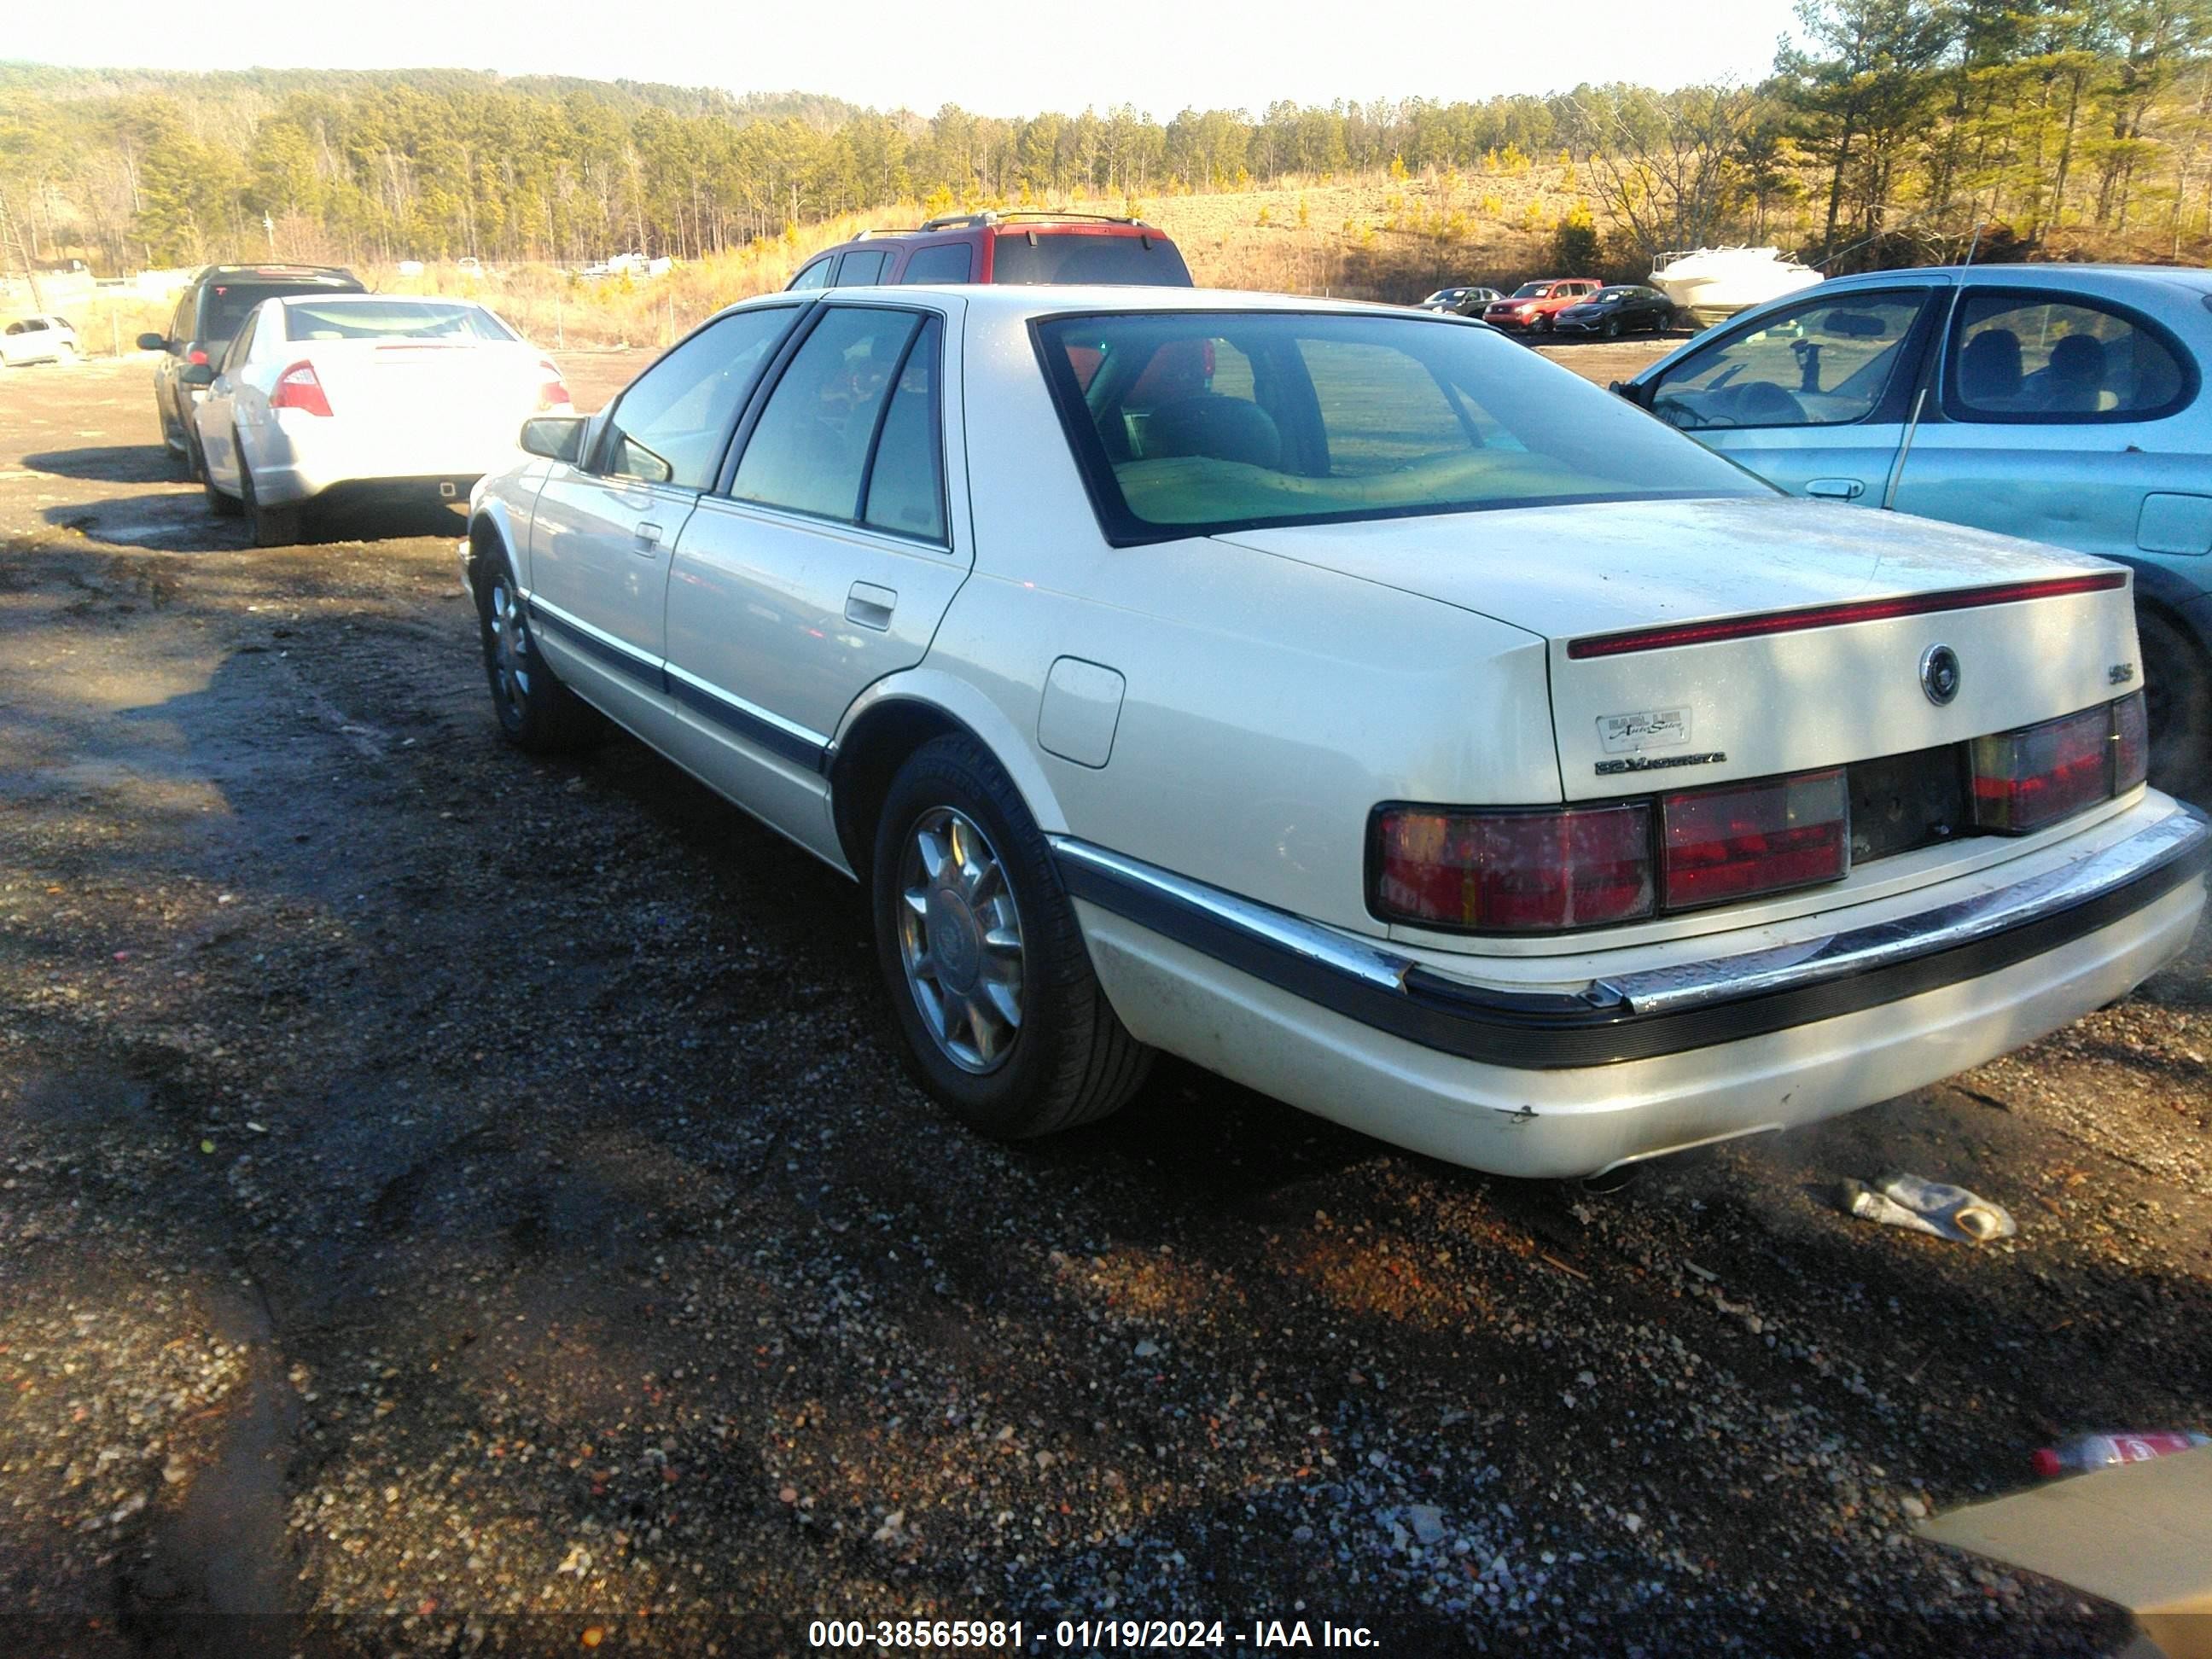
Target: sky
x,y
992,57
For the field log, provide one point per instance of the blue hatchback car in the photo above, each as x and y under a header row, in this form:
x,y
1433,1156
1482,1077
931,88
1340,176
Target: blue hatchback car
x,y
2066,403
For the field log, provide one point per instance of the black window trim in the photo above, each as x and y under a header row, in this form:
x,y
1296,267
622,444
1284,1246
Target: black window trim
x,y
772,376
1893,408
1966,415
592,464
1120,528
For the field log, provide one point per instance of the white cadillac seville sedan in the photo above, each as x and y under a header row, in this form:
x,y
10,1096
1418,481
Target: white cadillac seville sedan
x,y
1351,702
320,394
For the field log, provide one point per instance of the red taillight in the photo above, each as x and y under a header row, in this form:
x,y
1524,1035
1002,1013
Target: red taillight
x,y
1514,871
1739,839
196,355
298,388
553,390
2130,743
2039,775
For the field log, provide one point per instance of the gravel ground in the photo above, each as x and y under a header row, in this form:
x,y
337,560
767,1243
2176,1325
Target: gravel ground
x,y
452,1202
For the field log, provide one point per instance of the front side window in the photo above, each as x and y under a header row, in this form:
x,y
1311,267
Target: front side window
x,y
1198,423
241,348
948,261
1824,363
2022,357
853,394
815,275
673,422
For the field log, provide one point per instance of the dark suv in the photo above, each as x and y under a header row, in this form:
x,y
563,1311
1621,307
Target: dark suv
x,y
1015,246
209,312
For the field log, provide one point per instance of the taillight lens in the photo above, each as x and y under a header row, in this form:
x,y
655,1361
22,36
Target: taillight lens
x,y
297,387
2034,776
552,389
196,355
1739,839
2130,743
1514,871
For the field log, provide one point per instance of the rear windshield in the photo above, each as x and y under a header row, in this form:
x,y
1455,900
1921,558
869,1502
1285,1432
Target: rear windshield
x,y
390,319
1041,256
1195,423
225,306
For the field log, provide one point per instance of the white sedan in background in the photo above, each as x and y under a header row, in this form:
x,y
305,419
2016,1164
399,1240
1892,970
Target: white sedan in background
x,y
324,396
42,339
1348,701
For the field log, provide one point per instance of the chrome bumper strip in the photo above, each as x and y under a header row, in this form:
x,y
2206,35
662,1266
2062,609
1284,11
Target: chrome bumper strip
x,y
1638,1016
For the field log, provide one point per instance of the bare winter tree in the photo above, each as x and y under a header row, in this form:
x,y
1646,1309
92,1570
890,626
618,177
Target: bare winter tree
x,y
1667,165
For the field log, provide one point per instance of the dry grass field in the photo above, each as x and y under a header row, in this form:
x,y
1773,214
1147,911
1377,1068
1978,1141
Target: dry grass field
x,y
1366,237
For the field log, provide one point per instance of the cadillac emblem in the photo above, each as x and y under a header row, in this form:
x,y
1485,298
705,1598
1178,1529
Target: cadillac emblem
x,y
1939,674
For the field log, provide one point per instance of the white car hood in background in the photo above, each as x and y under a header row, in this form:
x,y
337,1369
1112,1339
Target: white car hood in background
x,y
1687,715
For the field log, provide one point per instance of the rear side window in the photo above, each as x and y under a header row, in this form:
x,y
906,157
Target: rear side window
x,y
828,431
861,269
1039,256
2029,358
905,489
674,422
948,261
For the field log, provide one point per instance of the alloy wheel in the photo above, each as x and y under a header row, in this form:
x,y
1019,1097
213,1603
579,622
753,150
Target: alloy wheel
x,y
960,941
510,650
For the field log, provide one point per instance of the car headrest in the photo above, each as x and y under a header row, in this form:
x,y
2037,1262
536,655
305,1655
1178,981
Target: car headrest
x,y
1989,367
1220,428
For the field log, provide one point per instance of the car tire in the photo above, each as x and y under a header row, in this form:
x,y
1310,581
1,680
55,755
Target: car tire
x,y
1013,1035
2177,698
1613,328
536,711
223,505
266,526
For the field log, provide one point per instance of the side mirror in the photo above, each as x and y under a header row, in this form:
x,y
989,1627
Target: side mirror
x,y
1636,394
153,343
554,437
195,374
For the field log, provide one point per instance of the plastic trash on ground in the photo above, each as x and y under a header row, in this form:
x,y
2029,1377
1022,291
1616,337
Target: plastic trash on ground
x,y
1928,1206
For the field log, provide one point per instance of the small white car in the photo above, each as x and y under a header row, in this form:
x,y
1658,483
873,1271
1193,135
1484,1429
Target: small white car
x,y
41,339
1348,701
323,396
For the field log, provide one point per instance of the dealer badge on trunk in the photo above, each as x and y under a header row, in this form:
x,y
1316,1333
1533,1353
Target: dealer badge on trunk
x,y
1939,674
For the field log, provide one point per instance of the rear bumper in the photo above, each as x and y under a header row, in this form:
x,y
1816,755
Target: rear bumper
x,y
1556,1083
291,467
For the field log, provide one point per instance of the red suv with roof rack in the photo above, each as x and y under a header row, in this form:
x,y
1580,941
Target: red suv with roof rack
x,y
1032,246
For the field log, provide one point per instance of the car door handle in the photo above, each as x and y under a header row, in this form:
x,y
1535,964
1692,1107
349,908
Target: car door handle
x,y
1836,490
648,539
870,606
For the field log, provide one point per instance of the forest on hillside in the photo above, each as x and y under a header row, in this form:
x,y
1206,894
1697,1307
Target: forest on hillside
x,y
1889,131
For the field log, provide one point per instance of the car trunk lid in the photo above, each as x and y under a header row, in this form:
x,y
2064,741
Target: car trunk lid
x,y
1695,643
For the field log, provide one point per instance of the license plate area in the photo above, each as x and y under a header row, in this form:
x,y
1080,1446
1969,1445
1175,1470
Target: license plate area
x,y
1901,802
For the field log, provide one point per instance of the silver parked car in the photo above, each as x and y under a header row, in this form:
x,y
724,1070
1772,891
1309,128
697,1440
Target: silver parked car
x,y
2060,402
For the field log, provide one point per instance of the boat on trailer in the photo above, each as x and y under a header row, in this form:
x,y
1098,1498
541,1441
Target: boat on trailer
x,y
1711,284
